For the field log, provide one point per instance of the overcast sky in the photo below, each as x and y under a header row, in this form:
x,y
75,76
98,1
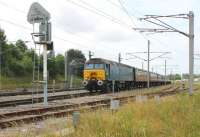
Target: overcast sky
x,y
76,27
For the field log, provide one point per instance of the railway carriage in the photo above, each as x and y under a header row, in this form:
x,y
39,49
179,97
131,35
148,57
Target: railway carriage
x,y
99,74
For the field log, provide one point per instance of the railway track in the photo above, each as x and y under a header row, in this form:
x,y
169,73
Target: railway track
x,y
15,118
23,100
29,92
10,101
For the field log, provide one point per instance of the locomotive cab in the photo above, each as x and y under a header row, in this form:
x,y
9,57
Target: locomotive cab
x,y
95,75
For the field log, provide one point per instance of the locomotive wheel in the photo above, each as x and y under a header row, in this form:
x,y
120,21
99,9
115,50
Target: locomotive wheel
x,y
105,88
108,88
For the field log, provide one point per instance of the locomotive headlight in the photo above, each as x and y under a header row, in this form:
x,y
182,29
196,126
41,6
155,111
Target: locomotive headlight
x,y
100,83
85,83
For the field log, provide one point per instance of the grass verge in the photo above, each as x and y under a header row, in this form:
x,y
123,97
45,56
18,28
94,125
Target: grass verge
x,y
26,82
176,116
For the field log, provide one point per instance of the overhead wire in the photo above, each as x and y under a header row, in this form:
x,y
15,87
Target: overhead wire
x,y
27,28
92,11
21,26
74,43
119,6
15,24
55,36
95,11
113,19
114,4
104,13
127,13
144,36
14,8
79,5
109,17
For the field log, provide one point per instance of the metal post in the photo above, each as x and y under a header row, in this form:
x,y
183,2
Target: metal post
x,y
113,86
66,70
0,62
71,80
142,66
148,59
174,79
170,75
165,71
119,60
45,74
71,73
54,84
90,55
191,51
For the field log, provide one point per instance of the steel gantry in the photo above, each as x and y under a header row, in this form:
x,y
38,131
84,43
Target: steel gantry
x,y
164,27
161,54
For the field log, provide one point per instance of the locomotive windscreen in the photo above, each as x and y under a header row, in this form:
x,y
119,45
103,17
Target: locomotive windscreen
x,y
94,66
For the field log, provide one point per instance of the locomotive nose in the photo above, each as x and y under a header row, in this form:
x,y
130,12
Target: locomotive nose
x,y
93,74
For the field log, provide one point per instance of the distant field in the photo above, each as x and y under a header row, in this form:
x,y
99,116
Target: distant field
x,y
26,82
15,82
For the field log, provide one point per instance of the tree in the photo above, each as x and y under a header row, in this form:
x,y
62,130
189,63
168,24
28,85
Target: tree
x,y
2,37
17,59
177,77
2,44
59,64
74,54
79,57
51,62
21,46
185,76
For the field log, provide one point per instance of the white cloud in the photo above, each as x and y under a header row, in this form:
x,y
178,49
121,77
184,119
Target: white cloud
x,y
70,19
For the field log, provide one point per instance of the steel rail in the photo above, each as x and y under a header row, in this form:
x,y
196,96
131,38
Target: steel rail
x,y
37,114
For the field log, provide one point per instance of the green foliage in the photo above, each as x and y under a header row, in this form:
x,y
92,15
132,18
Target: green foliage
x,y
59,64
17,60
177,77
78,57
2,37
174,77
74,54
16,82
21,46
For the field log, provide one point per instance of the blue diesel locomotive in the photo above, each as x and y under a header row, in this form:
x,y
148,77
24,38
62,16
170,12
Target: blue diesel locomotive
x,y
99,74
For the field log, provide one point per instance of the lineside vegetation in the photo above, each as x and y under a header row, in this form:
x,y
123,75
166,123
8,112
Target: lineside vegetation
x,y
176,116
16,62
